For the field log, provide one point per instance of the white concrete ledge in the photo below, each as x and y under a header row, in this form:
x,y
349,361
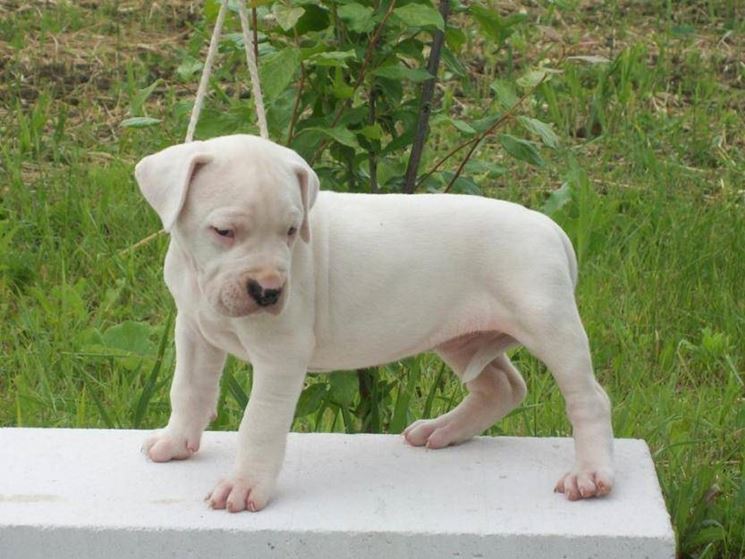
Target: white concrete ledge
x,y
90,493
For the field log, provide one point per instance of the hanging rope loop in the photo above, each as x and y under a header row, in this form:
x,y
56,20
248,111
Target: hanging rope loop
x,y
204,82
253,71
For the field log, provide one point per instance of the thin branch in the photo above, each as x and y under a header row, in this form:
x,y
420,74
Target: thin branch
x,y
443,160
361,76
475,140
481,136
372,44
255,29
474,145
501,120
296,106
371,155
425,104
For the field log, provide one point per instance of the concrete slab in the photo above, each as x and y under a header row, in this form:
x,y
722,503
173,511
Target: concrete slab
x,y
90,493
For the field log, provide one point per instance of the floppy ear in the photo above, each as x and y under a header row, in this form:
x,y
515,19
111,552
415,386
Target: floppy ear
x,y
164,178
309,185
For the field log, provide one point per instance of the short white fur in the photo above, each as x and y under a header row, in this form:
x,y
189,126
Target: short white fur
x,y
368,280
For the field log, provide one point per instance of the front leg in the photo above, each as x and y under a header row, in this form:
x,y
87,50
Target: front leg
x,y
193,395
262,437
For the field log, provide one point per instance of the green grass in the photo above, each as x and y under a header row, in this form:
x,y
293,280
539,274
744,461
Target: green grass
x,y
653,153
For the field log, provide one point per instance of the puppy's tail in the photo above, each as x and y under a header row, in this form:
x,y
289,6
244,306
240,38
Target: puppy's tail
x,y
570,254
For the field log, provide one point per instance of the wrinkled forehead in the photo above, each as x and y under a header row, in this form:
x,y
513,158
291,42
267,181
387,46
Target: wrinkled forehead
x,y
259,186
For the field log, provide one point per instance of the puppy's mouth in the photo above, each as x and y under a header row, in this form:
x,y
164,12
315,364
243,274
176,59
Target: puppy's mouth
x,y
249,308
240,313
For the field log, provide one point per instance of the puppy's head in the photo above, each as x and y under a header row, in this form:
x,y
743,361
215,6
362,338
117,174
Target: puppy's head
x,y
236,205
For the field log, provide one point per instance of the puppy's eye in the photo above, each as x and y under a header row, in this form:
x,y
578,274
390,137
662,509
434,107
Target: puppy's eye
x,y
291,231
227,233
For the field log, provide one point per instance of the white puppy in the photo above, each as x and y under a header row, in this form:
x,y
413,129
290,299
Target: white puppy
x,y
372,279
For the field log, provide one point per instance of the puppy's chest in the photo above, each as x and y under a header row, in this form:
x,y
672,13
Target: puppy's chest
x,y
219,331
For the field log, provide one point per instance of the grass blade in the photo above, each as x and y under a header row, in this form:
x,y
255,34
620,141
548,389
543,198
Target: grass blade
x,y
235,389
403,399
149,388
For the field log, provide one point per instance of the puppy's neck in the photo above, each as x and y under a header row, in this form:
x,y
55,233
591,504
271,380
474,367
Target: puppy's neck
x,y
181,272
177,245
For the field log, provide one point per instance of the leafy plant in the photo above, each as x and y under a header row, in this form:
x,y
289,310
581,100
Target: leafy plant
x,y
345,85
350,86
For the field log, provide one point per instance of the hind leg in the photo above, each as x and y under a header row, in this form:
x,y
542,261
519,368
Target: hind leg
x,y
556,336
491,395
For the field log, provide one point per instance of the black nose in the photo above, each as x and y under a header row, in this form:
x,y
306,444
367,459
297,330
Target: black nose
x,y
263,297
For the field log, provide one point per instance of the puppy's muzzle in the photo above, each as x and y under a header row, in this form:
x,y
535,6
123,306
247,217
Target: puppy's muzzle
x,y
263,297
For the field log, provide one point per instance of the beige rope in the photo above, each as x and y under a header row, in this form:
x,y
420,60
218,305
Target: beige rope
x,y
253,70
204,81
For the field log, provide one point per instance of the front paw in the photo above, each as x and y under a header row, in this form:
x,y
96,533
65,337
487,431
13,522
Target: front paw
x,y
584,483
238,493
164,445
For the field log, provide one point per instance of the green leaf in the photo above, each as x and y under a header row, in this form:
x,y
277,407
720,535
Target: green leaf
x,y
453,63
590,59
137,102
139,122
455,38
482,124
532,78
277,71
341,89
308,51
311,399
129,342
129,336
338,134
546,133
344,388
315,18
463,126
372,132
333,58
504,92
521,149
490,169
396,72
419,15
287,16
188,68
466,185
359,18
411,49
557,199
493,25
402,141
